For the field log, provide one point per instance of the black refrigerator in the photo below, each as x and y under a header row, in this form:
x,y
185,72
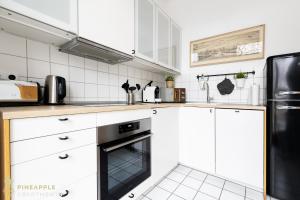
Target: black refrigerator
x,y
283,126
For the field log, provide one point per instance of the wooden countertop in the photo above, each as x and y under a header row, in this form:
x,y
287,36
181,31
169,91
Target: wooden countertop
x,y
43,111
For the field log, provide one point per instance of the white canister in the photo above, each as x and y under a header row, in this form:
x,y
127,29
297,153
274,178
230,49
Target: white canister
x,y
255,95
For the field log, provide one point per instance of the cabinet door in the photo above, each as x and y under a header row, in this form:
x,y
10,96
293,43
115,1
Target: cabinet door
x,y
239,145
108,22
145,29
197,138
163,37
164,141
58,13
176,46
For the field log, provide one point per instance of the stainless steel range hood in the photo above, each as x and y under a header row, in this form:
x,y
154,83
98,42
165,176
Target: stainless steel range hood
x,y
86,48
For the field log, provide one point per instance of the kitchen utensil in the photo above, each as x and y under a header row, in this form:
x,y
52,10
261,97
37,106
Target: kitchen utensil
x,y
225,87
138,86
125,86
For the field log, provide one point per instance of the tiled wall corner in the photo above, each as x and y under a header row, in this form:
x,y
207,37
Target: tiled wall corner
x,y
87,80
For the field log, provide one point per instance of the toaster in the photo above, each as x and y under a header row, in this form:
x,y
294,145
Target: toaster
x,y
151,94
12,91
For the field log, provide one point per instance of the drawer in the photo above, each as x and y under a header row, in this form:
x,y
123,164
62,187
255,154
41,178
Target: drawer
x,y
84,188
56,172
107,118
22,129
26,150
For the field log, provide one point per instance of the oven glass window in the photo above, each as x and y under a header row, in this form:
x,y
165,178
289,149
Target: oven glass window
x,y
126,167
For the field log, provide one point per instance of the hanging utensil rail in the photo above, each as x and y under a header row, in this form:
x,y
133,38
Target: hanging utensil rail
x,y
207,76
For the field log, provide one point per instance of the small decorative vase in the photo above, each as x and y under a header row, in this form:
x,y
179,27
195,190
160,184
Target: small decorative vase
x,y
170,84
240,82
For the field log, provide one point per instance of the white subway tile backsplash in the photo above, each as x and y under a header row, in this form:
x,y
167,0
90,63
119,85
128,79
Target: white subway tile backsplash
x,y
86,80
60,70
91,91
76,74
38,50
90,64
90,76
114,69
12,45
122,70
103,78
76,90
137,73
38,69
76,61
13,65
103,91
58,57
102,67
113,80
131,72
113,92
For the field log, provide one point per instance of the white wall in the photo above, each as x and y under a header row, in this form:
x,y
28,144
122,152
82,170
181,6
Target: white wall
x,y
204,18
87,80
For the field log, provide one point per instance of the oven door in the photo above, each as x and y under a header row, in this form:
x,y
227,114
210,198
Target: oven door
x,y
124,164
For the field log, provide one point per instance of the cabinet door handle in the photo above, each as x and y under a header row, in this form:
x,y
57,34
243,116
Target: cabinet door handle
x,y
64,157
64,194
63,119
133,51
64,138
131,196
154,112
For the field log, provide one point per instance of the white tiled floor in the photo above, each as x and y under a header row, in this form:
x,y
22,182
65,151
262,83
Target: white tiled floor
x,y
184,183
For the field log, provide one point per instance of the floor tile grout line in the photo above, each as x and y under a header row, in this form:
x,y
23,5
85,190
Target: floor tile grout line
x,y
222,190
186,175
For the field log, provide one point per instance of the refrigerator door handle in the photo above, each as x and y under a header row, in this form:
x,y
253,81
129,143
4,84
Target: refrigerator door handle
x,y
288,107
288,92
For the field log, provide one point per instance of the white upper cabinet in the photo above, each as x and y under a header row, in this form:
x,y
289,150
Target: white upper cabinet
x,y
239,145
163,38
145,27
176,46
58,13
108,22
157,39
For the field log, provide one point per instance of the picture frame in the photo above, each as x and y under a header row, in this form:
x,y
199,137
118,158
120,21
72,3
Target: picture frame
x,y
241,45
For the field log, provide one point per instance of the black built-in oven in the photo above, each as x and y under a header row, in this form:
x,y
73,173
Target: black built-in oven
x,y
124,158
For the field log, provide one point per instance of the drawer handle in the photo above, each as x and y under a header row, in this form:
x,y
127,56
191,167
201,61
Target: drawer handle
x,y
131,196
64,138
154,112
63,119
64,157
237,111
64,194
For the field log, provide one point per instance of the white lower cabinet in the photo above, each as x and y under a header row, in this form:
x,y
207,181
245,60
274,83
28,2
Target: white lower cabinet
x,y
197,138
58,173
164,146
239,145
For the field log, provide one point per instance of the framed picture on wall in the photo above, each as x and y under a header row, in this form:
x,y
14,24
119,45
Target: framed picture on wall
x,y
241,45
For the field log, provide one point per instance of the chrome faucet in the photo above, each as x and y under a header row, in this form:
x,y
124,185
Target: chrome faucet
x,y
206,87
